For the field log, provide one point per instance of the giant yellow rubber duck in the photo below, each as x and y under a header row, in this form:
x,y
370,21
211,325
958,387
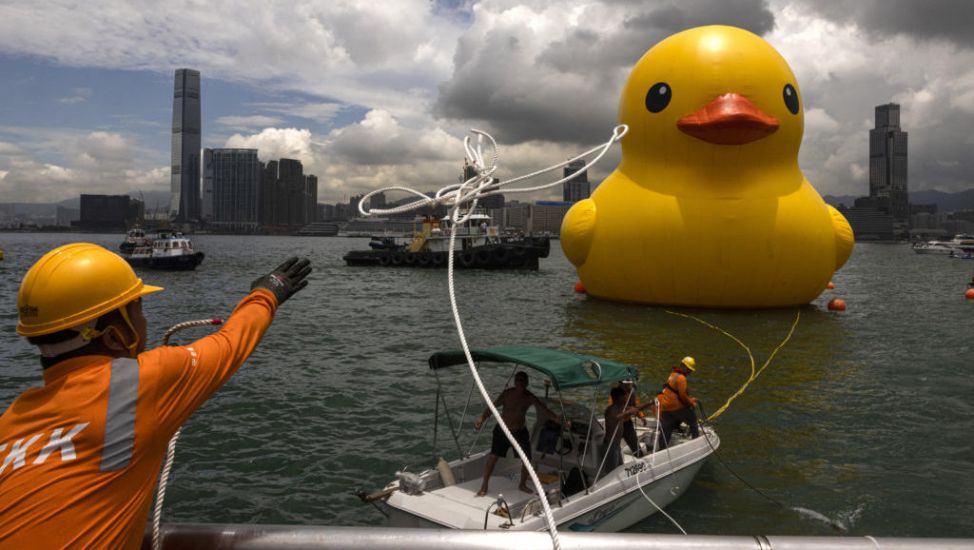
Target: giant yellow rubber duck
x,y
708,206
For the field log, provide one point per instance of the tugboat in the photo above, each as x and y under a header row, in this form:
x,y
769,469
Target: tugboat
x,y
169,251
478,245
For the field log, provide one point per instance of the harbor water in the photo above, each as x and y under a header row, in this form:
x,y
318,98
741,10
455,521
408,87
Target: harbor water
x,y
864,418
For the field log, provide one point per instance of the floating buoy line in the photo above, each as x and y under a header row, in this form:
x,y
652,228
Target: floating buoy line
x,y
755,373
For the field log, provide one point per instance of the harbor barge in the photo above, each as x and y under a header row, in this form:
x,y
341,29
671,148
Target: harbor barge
x,y
477,245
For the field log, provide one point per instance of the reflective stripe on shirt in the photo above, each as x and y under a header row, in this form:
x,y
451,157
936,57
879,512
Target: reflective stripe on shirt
x,y
123,393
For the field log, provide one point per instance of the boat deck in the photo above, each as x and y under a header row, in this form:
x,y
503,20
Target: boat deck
x,y
459,507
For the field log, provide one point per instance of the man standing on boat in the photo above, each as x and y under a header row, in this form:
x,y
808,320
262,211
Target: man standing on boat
x,y
79,457
614,431
514,403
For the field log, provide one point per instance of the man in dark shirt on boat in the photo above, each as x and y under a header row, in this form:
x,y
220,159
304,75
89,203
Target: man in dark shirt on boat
x,y
614,420
514,403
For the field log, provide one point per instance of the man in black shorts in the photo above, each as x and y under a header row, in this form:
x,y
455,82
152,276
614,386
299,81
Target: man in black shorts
x,y
514,403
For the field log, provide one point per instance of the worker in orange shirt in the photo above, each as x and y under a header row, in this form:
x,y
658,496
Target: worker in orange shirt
x,y
675,403
79,457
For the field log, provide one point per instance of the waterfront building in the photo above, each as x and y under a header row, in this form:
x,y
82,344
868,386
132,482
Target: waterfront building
x,y
870,220
109,213
267,194
537,218
888,163
578,187
326,211
377,201
491,202
287,197
548,216
233,178
185,200
311,197
291,182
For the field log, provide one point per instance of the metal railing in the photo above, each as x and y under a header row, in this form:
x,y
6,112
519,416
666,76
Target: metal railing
x,y
290,537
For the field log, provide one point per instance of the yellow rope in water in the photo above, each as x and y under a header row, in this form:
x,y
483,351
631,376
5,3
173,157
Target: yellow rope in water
x,y
754,372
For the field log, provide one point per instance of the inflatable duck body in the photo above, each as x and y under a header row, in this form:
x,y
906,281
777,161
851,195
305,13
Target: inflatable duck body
x,y
708,206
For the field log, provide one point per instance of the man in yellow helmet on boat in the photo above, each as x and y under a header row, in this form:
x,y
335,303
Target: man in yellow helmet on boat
x,y
79,457
675,403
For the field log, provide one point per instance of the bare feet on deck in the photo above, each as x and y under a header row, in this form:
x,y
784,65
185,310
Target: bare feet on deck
x,y
482,493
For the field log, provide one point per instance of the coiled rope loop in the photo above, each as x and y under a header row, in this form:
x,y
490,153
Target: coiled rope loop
x,y
483,156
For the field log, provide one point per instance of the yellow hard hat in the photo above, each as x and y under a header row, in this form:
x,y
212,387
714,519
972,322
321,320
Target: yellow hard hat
x,y
75,284
690,363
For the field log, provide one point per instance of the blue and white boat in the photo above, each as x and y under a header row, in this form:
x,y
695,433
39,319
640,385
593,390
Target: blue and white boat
x,y
170,251
582,496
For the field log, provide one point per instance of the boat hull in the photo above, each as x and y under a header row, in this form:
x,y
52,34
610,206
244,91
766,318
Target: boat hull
x,y
615,503
183,262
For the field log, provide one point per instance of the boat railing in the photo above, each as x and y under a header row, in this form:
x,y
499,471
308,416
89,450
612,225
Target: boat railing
x,y
280,537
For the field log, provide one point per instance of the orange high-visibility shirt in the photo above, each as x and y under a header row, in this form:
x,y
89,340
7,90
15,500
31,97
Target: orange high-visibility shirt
x,y
80,457
670,401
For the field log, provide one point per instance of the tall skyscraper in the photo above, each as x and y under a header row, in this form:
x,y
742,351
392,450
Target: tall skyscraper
x,y
577,188
290,175
233,176
267,194
184,203
887,163
311,197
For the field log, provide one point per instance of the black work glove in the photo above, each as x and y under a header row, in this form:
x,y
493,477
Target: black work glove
x,y
287,279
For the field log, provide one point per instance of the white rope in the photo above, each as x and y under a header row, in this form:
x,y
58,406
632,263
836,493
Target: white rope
x,y
171,450
161,490
639,485
481,185
552,527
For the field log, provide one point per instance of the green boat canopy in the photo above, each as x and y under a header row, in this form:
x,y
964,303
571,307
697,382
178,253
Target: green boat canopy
x,y
564,368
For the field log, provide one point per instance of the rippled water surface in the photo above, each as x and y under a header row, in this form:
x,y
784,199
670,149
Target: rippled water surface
x,y
864,417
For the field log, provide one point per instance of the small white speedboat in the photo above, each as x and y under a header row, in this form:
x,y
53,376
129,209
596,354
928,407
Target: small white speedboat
x,y
934,247
582,496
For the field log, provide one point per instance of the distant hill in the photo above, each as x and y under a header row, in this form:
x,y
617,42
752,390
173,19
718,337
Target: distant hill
x,y
946,202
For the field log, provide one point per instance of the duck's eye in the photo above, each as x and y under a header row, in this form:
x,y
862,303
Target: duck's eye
x,y
658,97
791,98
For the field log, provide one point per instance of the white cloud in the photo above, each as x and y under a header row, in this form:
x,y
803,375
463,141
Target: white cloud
x,y
388,54
277,143
80,96
248,122
318,112
94,162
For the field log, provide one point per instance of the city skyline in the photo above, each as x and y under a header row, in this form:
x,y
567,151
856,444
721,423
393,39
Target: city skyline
x,y
86,107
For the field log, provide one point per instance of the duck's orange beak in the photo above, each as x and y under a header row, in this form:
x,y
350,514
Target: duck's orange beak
x,y
729,119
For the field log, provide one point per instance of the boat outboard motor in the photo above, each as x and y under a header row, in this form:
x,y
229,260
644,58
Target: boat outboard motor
x,y
410,483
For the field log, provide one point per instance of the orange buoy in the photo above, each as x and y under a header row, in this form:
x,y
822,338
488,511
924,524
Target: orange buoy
x,y
830,286
969,294
579,287
836,304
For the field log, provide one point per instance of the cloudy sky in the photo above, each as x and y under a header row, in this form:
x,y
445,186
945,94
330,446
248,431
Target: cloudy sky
x,y
371,94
